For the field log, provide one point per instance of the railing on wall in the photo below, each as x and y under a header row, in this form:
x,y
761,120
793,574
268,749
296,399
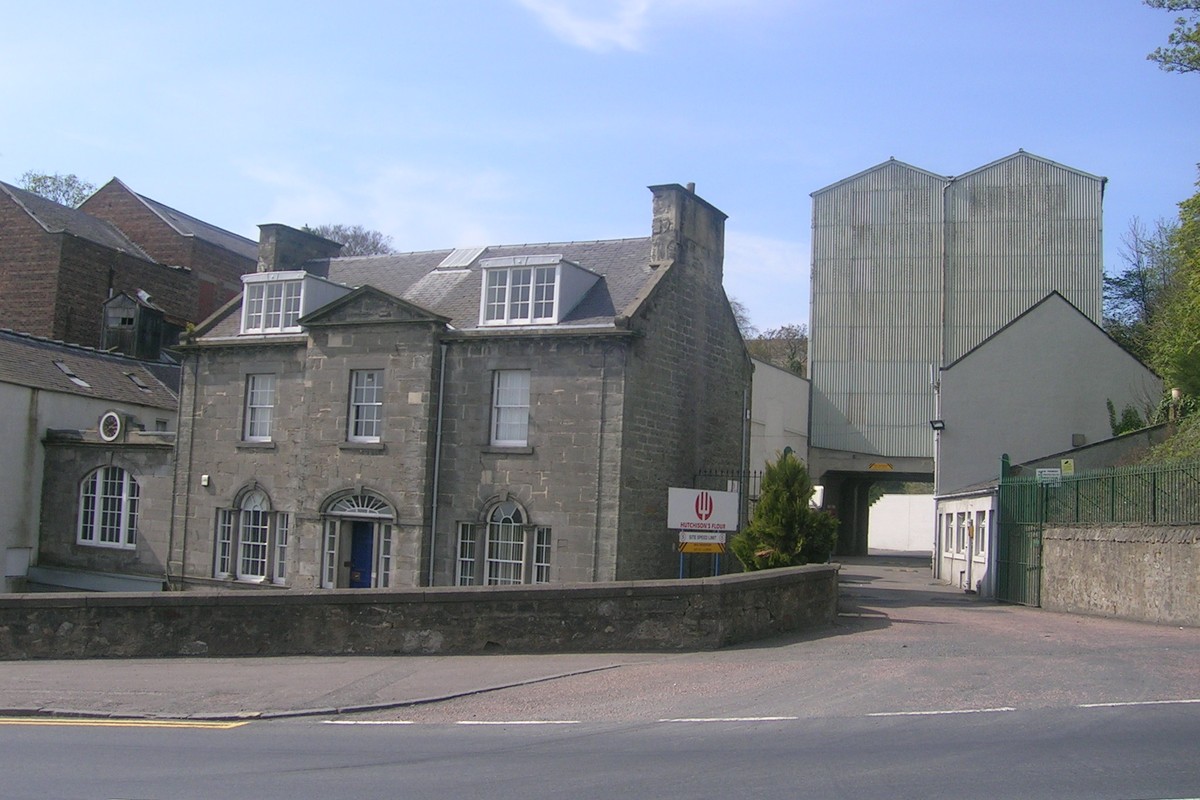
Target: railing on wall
x,y
1161,495
1157,495
749,485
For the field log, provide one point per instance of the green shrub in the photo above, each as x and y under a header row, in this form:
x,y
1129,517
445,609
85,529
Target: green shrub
x,y
785,530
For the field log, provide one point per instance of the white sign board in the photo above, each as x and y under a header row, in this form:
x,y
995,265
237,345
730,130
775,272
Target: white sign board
x,y
702,510
1051,476
706,537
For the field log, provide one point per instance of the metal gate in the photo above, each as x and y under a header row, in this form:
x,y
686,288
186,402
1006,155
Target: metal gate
x,y
1019,541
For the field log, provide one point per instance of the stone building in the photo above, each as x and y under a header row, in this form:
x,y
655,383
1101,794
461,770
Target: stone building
x,y
492,415
87,448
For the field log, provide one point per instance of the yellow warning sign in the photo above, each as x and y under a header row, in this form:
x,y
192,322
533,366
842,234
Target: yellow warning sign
x,y
701,547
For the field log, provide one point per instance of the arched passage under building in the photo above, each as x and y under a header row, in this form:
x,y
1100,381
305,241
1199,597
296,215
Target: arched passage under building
x,y
848,495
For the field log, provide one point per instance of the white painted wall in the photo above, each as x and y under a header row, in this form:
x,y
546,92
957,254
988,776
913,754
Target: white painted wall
x,y
778,414
965,559
1029,389
902,523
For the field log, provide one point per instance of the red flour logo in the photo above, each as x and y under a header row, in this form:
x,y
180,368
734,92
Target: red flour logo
x,y
704,506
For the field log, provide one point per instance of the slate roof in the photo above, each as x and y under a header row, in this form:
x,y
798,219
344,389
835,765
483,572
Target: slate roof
x,y
622,264
30,361
190,226
454,293
57,218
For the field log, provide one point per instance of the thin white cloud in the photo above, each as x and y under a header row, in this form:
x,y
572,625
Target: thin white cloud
x,y
769,276
604,25
618,25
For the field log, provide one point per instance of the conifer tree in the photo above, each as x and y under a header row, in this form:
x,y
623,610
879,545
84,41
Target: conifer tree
x,y
785,530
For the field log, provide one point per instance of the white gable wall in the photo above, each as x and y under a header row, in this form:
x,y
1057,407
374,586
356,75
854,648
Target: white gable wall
x,y
1030,389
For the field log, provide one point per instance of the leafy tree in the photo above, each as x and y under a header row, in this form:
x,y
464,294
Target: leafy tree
x,y
1183,51
1174,330
785,347
355,239
1132,297
785,530
68,190
742,315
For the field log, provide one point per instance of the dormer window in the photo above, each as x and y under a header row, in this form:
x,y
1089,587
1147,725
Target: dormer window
x,y
531,290
274,302
272,306
520,295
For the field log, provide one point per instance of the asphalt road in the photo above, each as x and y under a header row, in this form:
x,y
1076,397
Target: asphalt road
x,y
1106,753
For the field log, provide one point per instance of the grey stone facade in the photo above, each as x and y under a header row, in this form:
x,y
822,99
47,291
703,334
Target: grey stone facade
x,y
638,382
619,617
149,460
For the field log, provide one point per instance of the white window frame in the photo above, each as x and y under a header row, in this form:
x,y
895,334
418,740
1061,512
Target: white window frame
x,y
109,497
502,551
365,416
272,306
251,541
981,529
521,295
260,407
510,408
468,541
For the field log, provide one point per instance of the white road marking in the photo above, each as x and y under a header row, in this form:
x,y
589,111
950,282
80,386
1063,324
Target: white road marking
x,y
940,713
731,719
1141,703
517,722
367,722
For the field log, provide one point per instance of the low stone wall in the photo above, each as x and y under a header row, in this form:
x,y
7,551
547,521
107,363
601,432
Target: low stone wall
x,y
696,614
1151,574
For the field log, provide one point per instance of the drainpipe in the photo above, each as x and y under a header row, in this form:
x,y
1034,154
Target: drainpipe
x,y
600,463
195,357
437,459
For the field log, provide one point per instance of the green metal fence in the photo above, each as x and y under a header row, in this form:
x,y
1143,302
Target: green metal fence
x,y
1159,495
1022,506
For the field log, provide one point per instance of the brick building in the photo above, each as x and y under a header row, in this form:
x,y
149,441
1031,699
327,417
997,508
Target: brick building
x,y
59,266
216,258
494,415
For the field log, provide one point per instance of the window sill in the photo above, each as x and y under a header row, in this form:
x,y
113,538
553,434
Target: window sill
x,y
508,451
364,447
255,445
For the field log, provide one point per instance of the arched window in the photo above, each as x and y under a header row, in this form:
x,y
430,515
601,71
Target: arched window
x,y
514,551
108,508
252,540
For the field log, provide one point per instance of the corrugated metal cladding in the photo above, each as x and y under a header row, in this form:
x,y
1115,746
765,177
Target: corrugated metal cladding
x,y
912,269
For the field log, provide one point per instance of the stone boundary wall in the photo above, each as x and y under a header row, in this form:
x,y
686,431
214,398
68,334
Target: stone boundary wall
x,y
1143,573
678,615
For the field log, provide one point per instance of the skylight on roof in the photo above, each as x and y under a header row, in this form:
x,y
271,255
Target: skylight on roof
x,y
461,257
138,382
70,373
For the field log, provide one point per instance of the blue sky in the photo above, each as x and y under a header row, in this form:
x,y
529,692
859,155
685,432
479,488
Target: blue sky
x,y
456,123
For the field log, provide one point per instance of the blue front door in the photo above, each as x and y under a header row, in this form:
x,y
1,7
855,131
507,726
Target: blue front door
x,y
362,546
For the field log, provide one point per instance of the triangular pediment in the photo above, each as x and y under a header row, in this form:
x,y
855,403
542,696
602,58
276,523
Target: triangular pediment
x,y
368,305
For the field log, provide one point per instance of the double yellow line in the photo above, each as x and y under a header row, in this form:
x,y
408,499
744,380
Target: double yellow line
x,y
88,722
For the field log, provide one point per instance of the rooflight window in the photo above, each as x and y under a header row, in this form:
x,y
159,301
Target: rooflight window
x,y
272,307
75,379
138,382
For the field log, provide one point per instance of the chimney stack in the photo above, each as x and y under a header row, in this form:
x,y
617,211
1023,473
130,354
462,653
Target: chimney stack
x,y
282,248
